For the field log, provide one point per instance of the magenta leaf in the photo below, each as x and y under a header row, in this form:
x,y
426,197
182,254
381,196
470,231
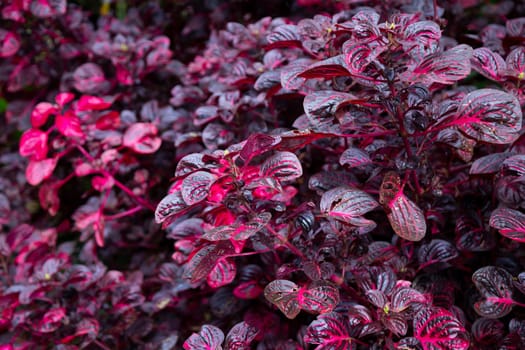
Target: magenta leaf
x,y
354,157
196,186
347,204
490,115
283,294
488,63
509,222
209,338
439,329
88,103
495,287
170,205
331,332
33,144
9,43
223,273
68,124
284,166
142,138
240,337
489,164
40,170
41,113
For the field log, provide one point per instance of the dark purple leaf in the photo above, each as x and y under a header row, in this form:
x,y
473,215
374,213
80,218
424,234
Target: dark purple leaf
x,y
320,106
495,287
205,260
209,338
189,163
321,298
516,63
240,337
509,222
490,115
196,186
487,331
292,75
170,205
436,251
331,332
238,232
358,57
283,294
439,329
489,164
515,163
285,166
257,144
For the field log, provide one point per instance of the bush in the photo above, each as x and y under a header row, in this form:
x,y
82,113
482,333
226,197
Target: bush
x,y
332,175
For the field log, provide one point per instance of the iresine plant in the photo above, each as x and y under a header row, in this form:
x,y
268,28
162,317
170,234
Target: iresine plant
x,y
199,175
349,220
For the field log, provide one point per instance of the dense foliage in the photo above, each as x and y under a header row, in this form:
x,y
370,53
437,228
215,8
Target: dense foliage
x,y
293,175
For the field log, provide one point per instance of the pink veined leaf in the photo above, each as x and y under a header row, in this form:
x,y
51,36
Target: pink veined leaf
x,y
488,331
9,43
296,139
209,338
41,113
142,138
495,286
515,27
222,274
490,164
284,166
257,144
406,218
403,298
354,157
516,63
439,329
68,124
358,57
425,34
283,294
515,163
320,106
283,36
488,63
490,115
268,80
436,251
510,223
40,170
33,144
248,290
331,332
328,68
189,163
170,205
443,67
196,186
346,203
319,299
241,336
51,320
